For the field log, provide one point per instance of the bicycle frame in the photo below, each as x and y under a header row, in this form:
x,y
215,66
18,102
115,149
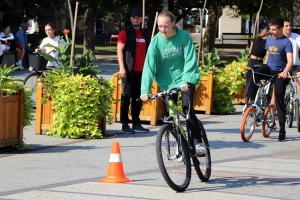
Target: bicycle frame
x,y
261,97
174,113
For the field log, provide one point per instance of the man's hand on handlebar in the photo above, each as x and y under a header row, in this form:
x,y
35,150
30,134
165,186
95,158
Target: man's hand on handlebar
x,y
283,74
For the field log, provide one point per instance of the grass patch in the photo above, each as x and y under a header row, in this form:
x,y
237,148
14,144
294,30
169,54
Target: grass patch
x,y
100,48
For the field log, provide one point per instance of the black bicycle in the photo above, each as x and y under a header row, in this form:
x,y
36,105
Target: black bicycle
x,y
291,101
37,65
175,147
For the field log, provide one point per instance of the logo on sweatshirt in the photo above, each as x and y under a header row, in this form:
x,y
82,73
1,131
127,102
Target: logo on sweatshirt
x,y
171,52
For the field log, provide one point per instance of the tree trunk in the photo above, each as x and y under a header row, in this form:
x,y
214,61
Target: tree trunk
x,y
214,13
89,28
152,8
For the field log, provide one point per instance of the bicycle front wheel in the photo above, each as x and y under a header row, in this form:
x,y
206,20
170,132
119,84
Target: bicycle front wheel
x,y
203,164
248,124
297,115
31,82
269,121
174,165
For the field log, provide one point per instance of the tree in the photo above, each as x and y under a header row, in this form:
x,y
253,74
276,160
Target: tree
x,y
14,12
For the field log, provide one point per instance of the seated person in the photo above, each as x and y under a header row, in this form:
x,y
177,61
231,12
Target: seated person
x,y
8,43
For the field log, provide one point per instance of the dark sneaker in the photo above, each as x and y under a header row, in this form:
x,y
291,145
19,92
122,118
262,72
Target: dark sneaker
x,y
139,129
281,136
127,129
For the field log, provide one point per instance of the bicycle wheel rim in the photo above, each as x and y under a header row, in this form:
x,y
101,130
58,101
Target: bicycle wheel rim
x,y
31,82
269,121
248,124
203,164
175,172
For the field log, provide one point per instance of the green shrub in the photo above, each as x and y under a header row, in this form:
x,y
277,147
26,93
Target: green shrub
x,y
78,101
211,62
244,55
228,81
11,86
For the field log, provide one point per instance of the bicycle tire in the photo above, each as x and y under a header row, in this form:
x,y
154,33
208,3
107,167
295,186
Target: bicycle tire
x,y
288,111
269,120
166,150
203,164
297,115
247,104
31,81
249,118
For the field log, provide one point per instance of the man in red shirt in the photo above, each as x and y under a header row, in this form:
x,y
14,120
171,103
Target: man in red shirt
x,y
132,46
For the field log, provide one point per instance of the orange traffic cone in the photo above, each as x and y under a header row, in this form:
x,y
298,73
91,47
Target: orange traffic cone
x,y
115,172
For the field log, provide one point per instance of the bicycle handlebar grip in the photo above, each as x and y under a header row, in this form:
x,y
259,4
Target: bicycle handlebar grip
x,y
245,67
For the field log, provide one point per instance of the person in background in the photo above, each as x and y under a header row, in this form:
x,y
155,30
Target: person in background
x,y
53,40
171,61
295,40
9,44
257,53
21,42
132,46
279,60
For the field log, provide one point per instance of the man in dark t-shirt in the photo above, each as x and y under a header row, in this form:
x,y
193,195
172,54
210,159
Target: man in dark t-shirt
x,y
279,60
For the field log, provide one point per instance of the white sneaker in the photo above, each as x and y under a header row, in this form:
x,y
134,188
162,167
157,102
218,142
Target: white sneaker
x,y
200,150
180,159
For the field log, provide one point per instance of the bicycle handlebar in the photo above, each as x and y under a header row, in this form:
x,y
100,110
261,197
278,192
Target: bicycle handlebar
x,y
164,93
161,94
249,68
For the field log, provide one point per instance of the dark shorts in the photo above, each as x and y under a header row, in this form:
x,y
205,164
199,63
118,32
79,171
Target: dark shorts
x,y
295,70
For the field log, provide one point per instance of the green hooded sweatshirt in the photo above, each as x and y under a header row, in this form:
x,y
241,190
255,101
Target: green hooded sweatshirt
x,y
171,62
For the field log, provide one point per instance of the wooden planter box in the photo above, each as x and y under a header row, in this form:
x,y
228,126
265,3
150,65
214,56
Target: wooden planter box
x,y
203,99
240,97
151,111
44,113
11,119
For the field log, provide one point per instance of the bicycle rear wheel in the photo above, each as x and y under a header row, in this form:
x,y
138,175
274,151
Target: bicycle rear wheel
x,y
248,124
203,164
269,121
289,110
297,115
175,169
31,81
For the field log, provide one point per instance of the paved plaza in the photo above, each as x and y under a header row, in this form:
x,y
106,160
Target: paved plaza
x,y
58,168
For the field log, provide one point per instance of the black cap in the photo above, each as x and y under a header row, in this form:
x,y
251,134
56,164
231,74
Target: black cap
x,y
136,12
